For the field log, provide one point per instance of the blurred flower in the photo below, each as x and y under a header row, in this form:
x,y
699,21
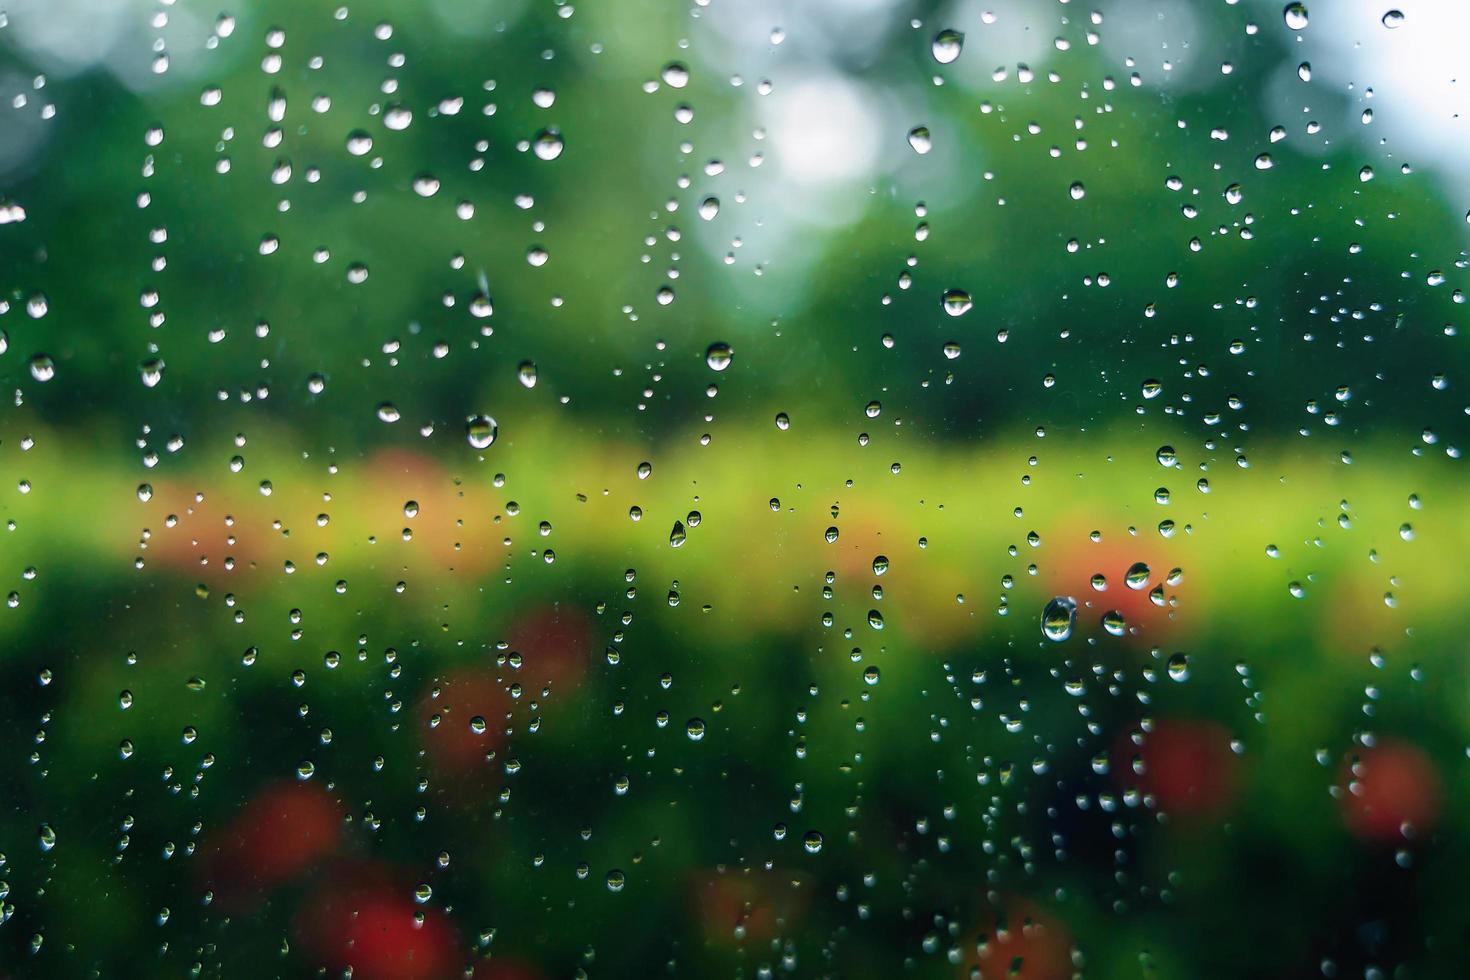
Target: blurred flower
x,y
361,919
1188,767
464,717
207,532
1393,791
734,909
555,643
1140,597
283,830
1019,940
409,491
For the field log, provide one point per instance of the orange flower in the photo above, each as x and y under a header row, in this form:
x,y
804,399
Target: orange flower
x,y
1019,941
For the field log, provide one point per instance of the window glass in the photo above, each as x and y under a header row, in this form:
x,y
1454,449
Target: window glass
x,y
525,489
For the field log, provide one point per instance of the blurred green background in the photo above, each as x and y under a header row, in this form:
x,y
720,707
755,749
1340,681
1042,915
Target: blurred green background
x,y
515,489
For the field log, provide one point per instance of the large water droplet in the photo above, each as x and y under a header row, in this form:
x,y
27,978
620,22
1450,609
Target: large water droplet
x,y
956,302
548,144
481,431
43,368
718,356
1058,618
947,45
397,118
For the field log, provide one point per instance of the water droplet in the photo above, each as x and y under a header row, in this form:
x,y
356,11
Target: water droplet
x,y
947,45
151,371
481,431
1394,19
812,842
678,535
526,373
718,356
1136,577
675,75
1077,191
548,144
951,350
397,118
1295,15
1058,618
880,565
1178,666
695,729
43,368
956,302
919,139
616,880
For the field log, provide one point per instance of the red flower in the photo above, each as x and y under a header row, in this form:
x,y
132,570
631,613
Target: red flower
x,y
466,719
378,932
1390,789
282,831
555,644
1188,767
